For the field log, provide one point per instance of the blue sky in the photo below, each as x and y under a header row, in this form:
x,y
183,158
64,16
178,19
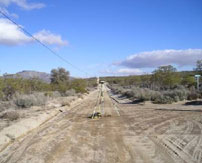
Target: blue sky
x,y
102,37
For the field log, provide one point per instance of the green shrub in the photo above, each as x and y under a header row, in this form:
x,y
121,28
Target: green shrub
x,y
163,100
79,85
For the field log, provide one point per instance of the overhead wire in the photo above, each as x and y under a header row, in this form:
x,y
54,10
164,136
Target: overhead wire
x,y
42,44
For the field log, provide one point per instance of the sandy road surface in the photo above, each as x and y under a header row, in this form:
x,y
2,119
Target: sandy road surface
x,y
129,135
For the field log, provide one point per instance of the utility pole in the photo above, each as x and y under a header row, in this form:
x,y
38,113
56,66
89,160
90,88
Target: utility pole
x,y
197,80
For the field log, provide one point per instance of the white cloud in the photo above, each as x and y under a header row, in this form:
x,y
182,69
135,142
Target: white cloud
x,y
129,71
157,58
49,38
122,72
23,4
10,34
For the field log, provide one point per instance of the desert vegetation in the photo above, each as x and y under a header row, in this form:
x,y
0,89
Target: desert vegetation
x,y
164,85
19,93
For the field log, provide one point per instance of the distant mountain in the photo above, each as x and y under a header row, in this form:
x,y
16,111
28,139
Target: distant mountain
x,y
29,75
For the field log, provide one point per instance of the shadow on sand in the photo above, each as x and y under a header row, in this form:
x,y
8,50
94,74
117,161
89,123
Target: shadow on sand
x,y
194,103
184,110
135,102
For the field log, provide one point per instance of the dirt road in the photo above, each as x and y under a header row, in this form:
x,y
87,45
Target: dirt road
x,y
125,134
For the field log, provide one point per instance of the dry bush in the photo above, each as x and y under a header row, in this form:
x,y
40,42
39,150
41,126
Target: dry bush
x,y
163,100
5,105
56,94
52,94
48,94
192,96
11,115
70,92
161,97
26,101
65,103
80,96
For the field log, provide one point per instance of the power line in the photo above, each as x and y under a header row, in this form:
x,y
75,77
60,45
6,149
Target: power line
x,y
41,43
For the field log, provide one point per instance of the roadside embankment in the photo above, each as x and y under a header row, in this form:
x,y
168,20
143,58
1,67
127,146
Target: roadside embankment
x,y
36,116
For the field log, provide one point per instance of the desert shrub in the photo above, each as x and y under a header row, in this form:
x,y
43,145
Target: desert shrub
x,y
200,95
181,92
192,96
147,94
65,103
176,98
117,89
91,82
1,95
26,101
11,115
52,94
9,86
162,97
143,94
56,94
168,96
8,92
163,100
60,87
2,107
5,105
176,95
127,93
79,85
70,92
155,95
79,95
48,94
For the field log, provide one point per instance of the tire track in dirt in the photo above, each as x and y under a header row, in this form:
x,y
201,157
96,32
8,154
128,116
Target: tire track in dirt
x,y
54,127
136,136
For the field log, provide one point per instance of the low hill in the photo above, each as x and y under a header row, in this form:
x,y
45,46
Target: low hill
x,y
29,75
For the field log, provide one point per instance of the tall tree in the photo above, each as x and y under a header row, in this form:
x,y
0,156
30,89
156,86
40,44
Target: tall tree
x,y
165,76
59,75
